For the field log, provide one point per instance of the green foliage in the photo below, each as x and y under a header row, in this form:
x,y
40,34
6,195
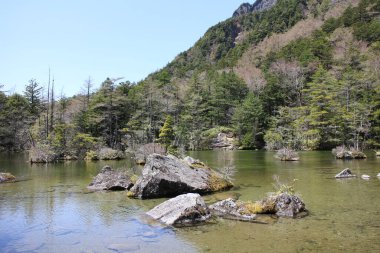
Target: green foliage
x,y
316,49
91,156
320,91
281,187
248,119
83,143
33,94
331,24
166,136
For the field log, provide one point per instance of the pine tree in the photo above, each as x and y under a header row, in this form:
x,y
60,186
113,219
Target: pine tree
x,y
166,136
247,119
324,110
33,95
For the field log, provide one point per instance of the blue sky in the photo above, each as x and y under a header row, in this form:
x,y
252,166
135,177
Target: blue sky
x,y
108,38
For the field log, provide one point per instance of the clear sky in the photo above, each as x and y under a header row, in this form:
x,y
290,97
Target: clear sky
x,y
98,38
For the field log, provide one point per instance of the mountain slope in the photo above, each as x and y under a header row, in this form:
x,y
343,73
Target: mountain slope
x,y
302,74
264,48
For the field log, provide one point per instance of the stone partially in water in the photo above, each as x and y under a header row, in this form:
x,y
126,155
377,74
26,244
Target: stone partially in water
x,y
167,176
232,209
6,177
342,152
283,205
109,179
185,209
365,177
287,205
346,173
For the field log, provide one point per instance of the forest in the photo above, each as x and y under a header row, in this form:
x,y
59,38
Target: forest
x,y
260,77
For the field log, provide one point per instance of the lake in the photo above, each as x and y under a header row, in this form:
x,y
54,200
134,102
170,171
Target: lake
x,y
50,210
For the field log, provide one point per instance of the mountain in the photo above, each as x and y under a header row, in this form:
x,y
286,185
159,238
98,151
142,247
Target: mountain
x,y
259,5
278,50
302,74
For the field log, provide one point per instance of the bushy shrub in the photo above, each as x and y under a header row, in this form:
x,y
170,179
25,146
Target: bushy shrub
x,y
42,153
110,154
91,156
287,154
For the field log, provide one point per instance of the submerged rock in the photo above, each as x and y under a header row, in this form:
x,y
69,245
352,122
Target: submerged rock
x,y
232,209
6,177
109,179
346,173
118,247
366,177
167,176
185,209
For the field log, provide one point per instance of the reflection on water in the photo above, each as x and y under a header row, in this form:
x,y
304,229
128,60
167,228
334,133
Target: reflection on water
x,y
51,211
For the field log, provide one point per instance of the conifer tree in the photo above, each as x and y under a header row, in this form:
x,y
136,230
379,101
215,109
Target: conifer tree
x,y
166,135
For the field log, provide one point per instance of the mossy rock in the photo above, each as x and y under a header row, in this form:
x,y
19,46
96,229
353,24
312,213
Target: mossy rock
x,y
217,182
7,177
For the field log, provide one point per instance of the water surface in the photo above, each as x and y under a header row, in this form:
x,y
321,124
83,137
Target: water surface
x,y
50,210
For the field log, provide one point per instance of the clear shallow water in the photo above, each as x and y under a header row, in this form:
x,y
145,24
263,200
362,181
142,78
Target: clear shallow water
x,y
51,211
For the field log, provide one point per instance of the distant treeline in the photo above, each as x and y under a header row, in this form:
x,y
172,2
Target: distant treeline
x,y
312,92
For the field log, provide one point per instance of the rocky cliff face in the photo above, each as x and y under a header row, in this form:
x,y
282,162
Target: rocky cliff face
x,y
259,5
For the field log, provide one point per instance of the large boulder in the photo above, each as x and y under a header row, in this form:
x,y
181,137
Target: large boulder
x,y
167,176
232,209
42,153
6,177
110,154
109,179
224,141
185,209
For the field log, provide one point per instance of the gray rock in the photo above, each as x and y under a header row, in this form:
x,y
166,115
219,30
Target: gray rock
x,y
6,177
190,160
109,179
346,173
258,5
110,154
365,177
261,5
224,141
231,209
243,9
342,152
167,176
185,209
287,205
